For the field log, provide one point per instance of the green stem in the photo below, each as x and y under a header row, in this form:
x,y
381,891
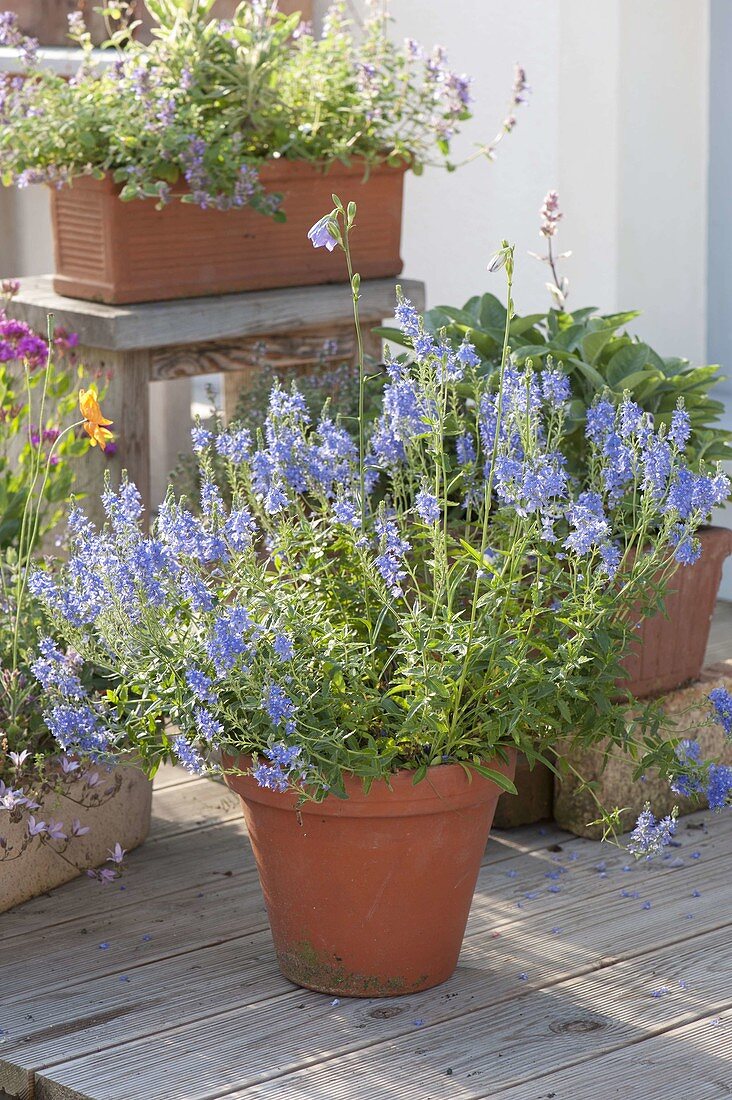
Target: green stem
x,y
489,484
361,372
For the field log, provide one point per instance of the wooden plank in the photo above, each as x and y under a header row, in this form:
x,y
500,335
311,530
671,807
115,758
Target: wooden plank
x,y
136,1007
303,1045
191,806
172,775
719,647
693,1060
224,894
198,320
161,869
305,350
210,853
587,931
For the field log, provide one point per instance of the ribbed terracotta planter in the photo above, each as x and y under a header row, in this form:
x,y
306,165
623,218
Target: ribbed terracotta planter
x,y
669,650
369,896
121,252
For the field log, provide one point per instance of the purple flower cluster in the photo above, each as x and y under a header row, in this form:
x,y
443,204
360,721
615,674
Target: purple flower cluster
x,y
232,636
280,708
188,755
650,835
531,485
277,776
54,669
78,728
390,560
18,341
633,453
200,684
427,506
322,461
721,701
12,36
406,413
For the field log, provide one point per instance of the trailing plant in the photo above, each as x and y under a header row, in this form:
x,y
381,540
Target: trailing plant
x,y
195,113
433,588
34,771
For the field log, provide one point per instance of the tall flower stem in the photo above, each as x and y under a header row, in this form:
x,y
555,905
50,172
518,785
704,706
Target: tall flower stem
x,y
355,281
507,251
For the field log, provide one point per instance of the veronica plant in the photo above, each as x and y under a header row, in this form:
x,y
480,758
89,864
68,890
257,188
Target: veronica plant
x,y
196,112
431,588
596,352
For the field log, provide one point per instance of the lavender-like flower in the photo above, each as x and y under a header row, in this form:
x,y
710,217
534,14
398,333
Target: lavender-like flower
x,y
721,701
650,835
283,647
280,708
550,214
427,506
188,756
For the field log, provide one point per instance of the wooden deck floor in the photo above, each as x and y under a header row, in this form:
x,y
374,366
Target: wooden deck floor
x,y
583,975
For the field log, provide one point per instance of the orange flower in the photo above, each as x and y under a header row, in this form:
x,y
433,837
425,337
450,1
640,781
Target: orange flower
x,y
94,422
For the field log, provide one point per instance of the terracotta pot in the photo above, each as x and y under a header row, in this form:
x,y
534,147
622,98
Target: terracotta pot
x,y
669,650
369,896
533,800
121,252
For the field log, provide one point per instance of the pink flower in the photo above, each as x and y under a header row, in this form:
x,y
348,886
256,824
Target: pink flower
x,y
56,830
320,234
35,828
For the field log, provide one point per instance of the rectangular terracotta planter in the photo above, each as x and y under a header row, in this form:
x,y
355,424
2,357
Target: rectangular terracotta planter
x,y
670,648
121,252
124,818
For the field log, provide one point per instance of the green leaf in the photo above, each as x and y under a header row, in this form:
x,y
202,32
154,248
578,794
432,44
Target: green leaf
x,y
594,343
629,360
592,376
498,778
492,312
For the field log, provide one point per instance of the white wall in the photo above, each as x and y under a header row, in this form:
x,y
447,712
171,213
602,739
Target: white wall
x,y
617,122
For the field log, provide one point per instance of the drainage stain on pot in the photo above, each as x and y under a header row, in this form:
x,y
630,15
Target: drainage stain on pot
x,y
575,1027
303,966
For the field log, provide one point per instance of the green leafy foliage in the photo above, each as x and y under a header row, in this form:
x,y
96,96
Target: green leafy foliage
x,y
194,113
598,354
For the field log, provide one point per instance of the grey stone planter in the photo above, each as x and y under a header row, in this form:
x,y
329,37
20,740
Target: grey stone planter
x,y
574,806
124,818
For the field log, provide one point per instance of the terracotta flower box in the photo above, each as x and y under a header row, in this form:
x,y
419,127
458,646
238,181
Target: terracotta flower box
x,y
670,648
120,252
123,818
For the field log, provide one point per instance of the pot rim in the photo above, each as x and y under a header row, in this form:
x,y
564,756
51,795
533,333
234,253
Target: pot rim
x,y
445,787
269,171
